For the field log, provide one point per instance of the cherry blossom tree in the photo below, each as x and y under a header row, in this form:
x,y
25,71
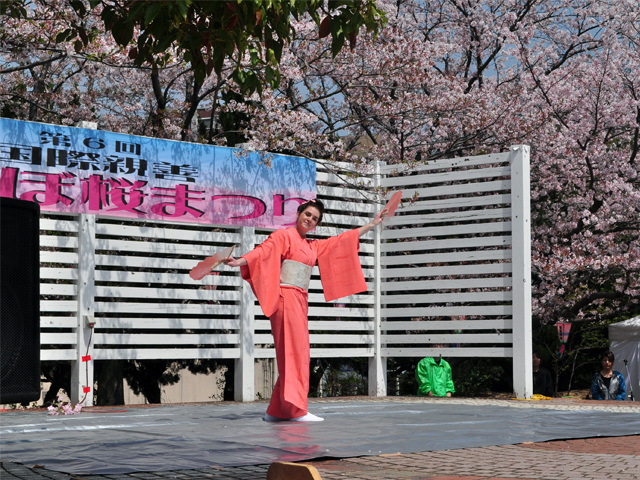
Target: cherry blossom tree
x,y
443,78
208,35
448,78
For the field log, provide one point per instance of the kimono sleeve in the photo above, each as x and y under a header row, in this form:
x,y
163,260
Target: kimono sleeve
x,y
340,269
262,271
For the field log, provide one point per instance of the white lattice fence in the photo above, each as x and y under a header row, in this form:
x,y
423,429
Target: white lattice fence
x,y
459,249
58,287
147,306
451,258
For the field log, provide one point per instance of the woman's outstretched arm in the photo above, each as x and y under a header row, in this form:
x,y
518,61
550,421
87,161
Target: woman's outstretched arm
x,y
377,220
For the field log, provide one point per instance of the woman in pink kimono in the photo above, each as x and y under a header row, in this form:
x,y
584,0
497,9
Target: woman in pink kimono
x,y
279,271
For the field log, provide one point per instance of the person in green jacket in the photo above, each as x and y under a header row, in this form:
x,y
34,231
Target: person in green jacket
x,y
434,378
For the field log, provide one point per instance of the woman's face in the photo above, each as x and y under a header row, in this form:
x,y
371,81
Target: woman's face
x,y
606,363
308,219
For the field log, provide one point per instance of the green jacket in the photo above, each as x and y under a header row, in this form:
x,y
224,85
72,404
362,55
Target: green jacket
x,y
434,378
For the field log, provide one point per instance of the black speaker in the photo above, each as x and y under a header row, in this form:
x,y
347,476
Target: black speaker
x,y
20,301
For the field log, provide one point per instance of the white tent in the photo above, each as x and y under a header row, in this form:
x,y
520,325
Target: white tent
x,y
625,345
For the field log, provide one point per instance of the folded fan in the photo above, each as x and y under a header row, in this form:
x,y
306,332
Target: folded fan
x,y
204,268
391,207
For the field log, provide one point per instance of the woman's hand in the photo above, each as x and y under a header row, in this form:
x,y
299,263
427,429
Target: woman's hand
x,y
377,220
380,216
235,262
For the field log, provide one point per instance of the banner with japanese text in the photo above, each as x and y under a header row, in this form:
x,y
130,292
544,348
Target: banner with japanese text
x,y
76,170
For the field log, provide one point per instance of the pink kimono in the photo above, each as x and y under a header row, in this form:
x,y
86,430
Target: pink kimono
x,y
287,306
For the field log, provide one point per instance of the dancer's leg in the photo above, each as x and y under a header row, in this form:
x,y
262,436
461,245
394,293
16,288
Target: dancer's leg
x,y
291,337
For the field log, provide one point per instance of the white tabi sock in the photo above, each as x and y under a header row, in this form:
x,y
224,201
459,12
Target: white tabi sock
x,y
309,417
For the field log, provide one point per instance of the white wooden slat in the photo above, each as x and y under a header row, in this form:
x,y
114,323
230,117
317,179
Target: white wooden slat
x,y
151,262
500,352
58,241
204,234
366,248
455,297
469,215
164,353
341,192
341,352
499,324
449,243
340,312
480,310
349,221
168,323
449,230
447,163
427,258
261,353
165,339
462,189
51,273
366,299
164,248
53,338
405,182
166,308
470,338
58,289
457,202
470,269
325,325
500,282
48,355
343,179
412,271
58,322
358,339
67,226
325,232
58,305
58,257
316,284
168,293
350,207
167,278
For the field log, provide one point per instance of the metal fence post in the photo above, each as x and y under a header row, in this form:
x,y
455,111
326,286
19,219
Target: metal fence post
x,y
82,367
244,376
377,364
521,221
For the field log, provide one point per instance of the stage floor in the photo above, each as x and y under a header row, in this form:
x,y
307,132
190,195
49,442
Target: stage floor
x,y
173,437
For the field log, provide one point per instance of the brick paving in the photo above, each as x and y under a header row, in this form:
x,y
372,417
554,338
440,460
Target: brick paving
x,y
599,458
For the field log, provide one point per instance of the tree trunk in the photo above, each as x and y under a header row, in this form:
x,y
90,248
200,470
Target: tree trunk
x,y
152,392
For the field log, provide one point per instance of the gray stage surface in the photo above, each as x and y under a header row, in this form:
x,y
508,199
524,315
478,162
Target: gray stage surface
x,y
196,436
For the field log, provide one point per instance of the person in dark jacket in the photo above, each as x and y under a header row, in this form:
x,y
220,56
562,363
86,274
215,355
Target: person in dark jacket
x,y
608,384
542,382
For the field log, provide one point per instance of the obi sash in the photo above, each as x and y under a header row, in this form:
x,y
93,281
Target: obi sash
x,y
295,274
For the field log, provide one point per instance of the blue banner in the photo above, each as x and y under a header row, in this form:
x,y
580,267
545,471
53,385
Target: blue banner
x,y
67,169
